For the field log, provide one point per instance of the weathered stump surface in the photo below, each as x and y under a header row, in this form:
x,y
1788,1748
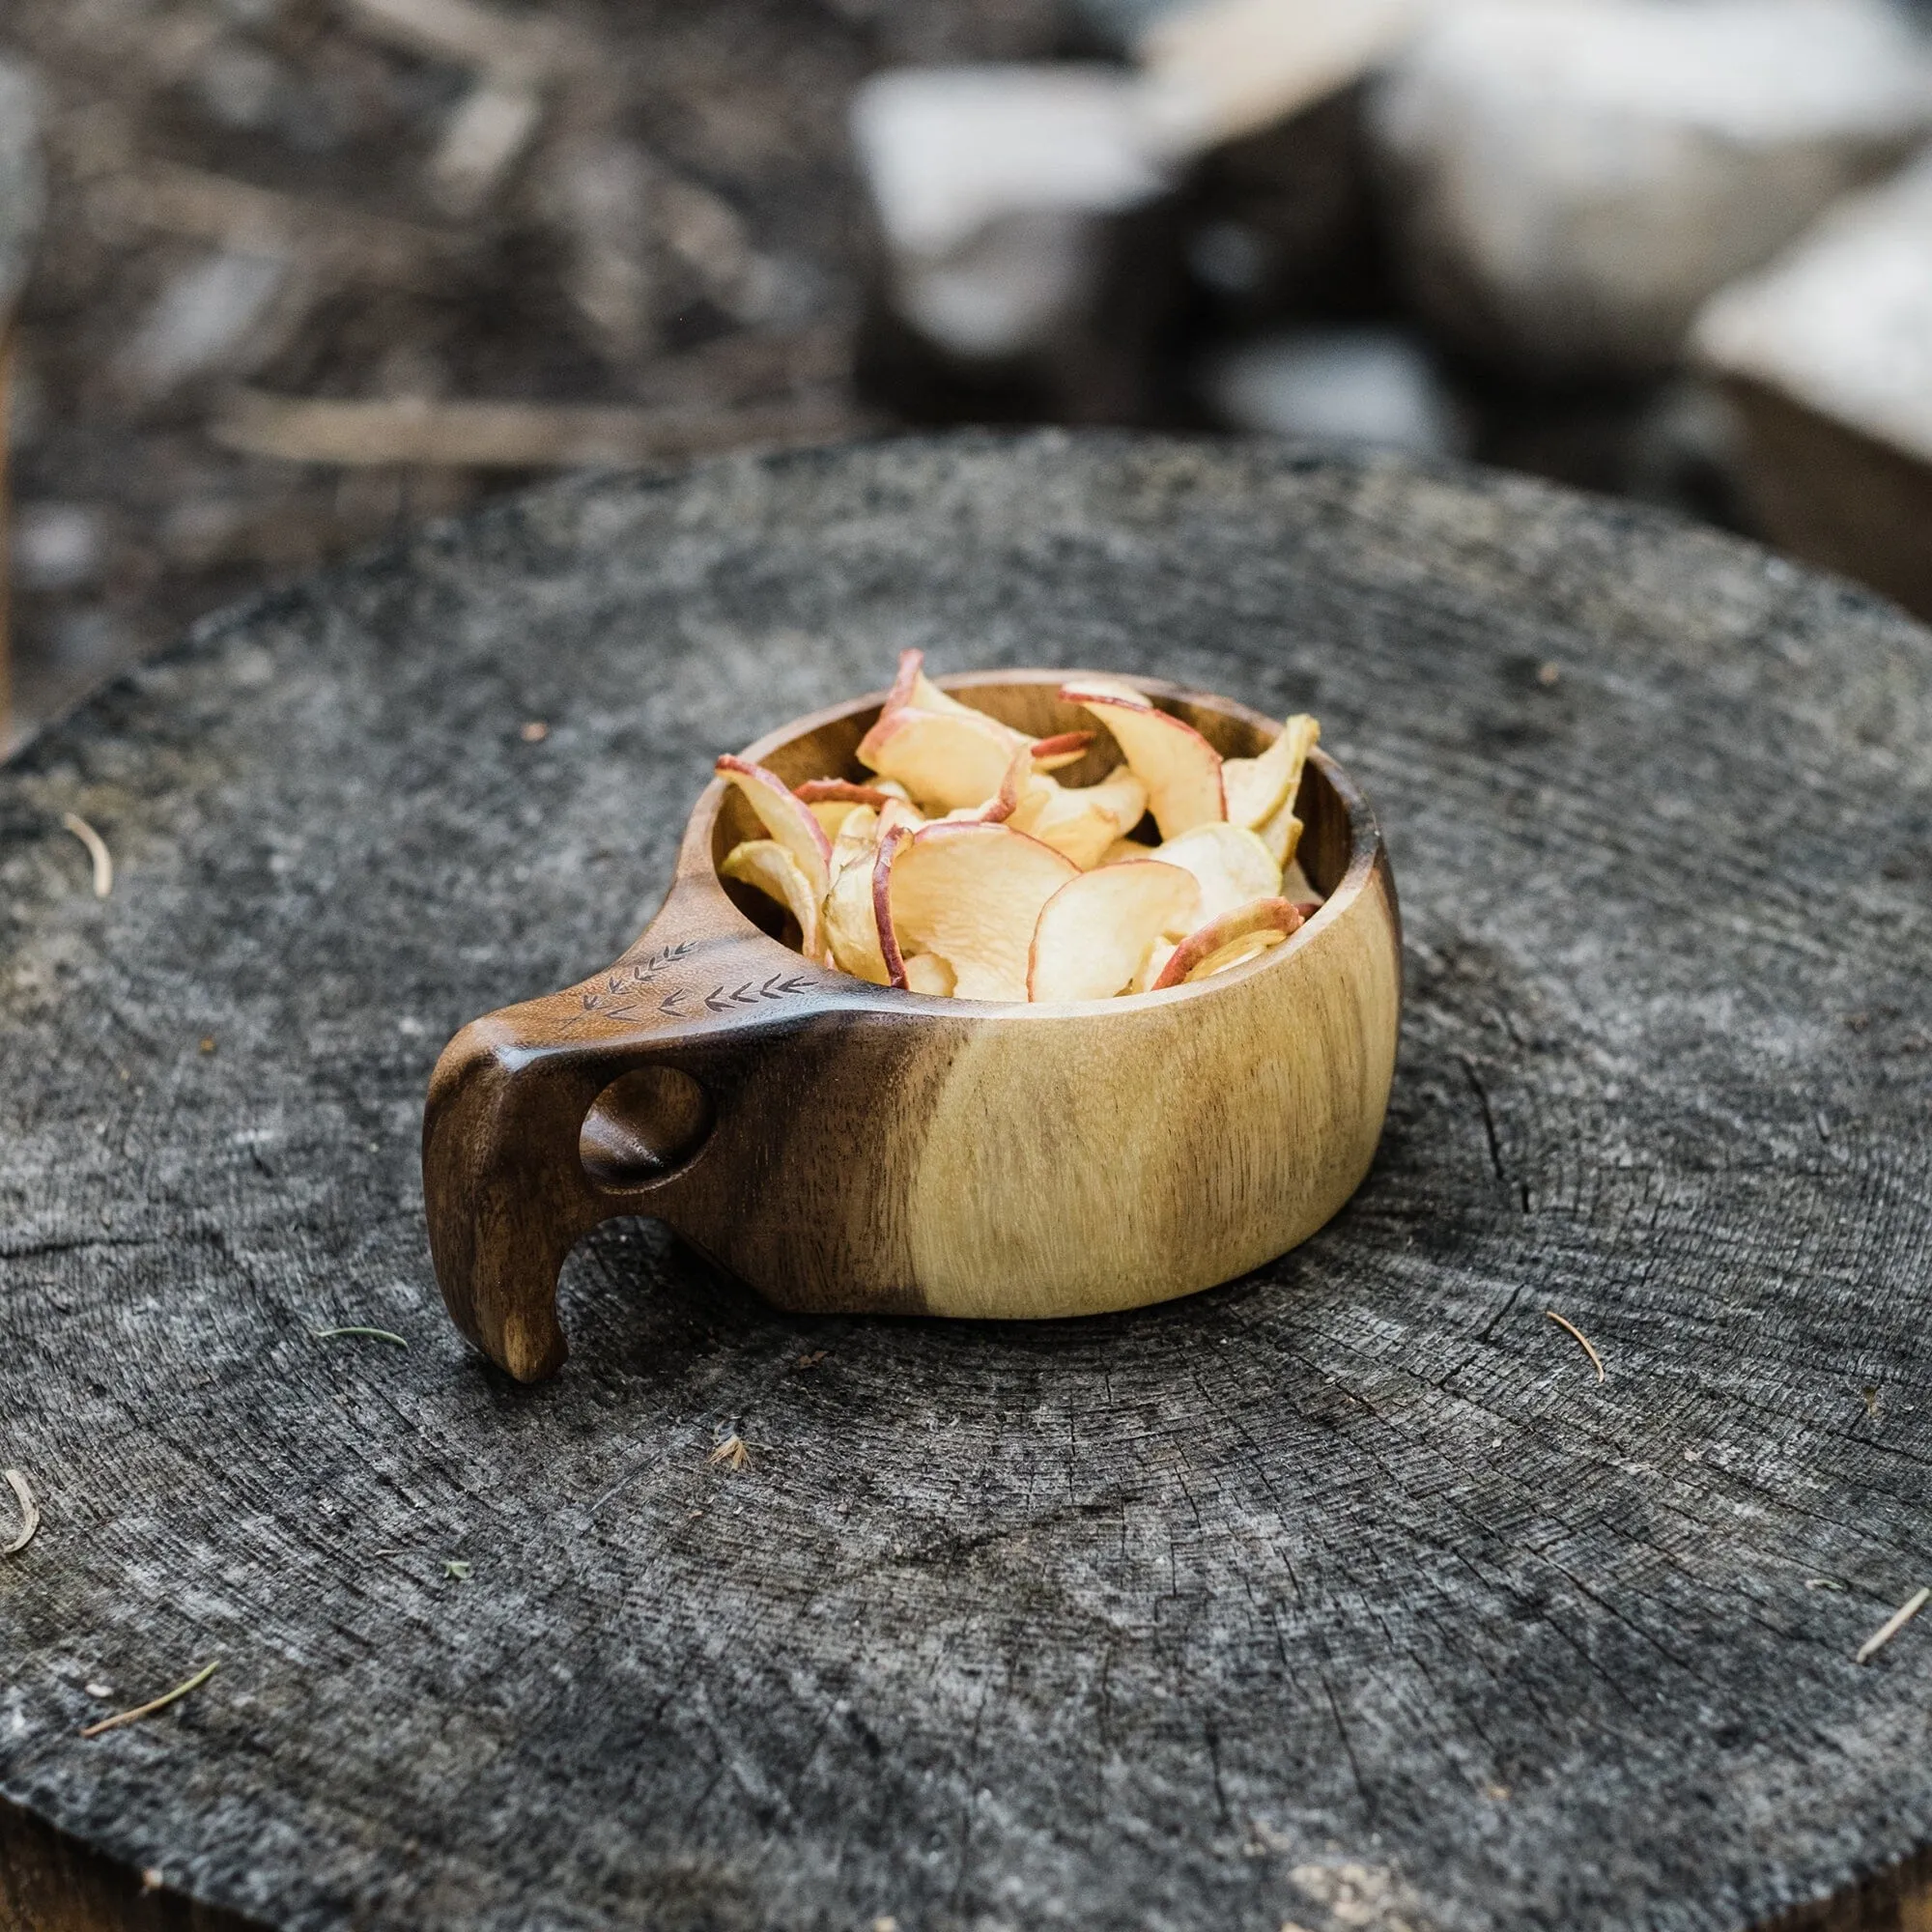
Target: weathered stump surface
x,y
1163,1620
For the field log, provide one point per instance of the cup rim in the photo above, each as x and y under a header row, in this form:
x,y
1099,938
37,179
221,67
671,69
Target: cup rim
x,y
1365,845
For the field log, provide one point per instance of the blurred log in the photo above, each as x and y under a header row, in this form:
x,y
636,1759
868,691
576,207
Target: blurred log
x,y
1828,357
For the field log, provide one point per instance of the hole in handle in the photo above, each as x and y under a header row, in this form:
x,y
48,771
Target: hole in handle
x,y
642,1126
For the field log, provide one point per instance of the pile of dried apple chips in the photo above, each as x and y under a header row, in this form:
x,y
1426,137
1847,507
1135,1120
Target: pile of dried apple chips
x,y
965,867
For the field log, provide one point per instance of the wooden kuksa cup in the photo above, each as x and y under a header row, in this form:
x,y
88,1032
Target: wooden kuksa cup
x,y
848,1147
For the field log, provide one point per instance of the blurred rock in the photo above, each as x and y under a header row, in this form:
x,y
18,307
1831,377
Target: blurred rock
x,y
1828,357
1258,103
1221,71
1569,180
207,319
58,546
238,85
1280,224
1020,272
1117,26
1361,386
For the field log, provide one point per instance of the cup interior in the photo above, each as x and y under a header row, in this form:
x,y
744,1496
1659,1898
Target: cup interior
x,y
825,746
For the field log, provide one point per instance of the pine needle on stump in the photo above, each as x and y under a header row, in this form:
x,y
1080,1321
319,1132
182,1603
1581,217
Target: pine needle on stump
x,y
1893,1625
1595,1360
148,1709
96,850
30,1513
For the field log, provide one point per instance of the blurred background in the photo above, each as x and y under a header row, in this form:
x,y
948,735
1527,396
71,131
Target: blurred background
x,y
282,277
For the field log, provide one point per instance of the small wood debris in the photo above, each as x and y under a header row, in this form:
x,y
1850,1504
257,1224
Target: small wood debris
x,y
148,1709
534,732
419,430
1499,1793
485,139
99,1690
207,1042
152,1878
1824,1583
730,1454
530,46
456,1569
373,1334
163,197
96,850
30,1513
1595,1360
1548,674
812,1360
1893,1625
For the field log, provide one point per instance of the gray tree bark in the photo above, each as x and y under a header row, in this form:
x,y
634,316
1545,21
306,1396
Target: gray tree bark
x,y
1346,1595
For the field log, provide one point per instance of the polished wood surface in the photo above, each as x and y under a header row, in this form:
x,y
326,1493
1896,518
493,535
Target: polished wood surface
x,y
845,1147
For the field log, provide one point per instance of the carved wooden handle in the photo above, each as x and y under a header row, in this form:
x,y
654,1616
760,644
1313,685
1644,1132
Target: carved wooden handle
x,y
511,1177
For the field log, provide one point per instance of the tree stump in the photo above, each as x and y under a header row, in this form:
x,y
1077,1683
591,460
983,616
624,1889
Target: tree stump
x,y
1347,1594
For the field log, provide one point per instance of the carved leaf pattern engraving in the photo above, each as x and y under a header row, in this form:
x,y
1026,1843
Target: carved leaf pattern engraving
x,y
617,999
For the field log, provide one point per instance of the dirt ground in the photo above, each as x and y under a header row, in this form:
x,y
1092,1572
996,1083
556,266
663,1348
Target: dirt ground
x,y
642,205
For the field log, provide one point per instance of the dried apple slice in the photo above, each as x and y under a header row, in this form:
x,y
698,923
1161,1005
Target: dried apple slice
x,y
768,865
1237,953
1111,690
1096,928
851,920
1282,834
838,791
786,818
855,839
1200,953
928,972
829,799
972,893
893,840
1256,788
851,928
898,815
1296,885
1232,864
1180,768
1085,821
913,690
945,759
1064,748
1000,807
1152,967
